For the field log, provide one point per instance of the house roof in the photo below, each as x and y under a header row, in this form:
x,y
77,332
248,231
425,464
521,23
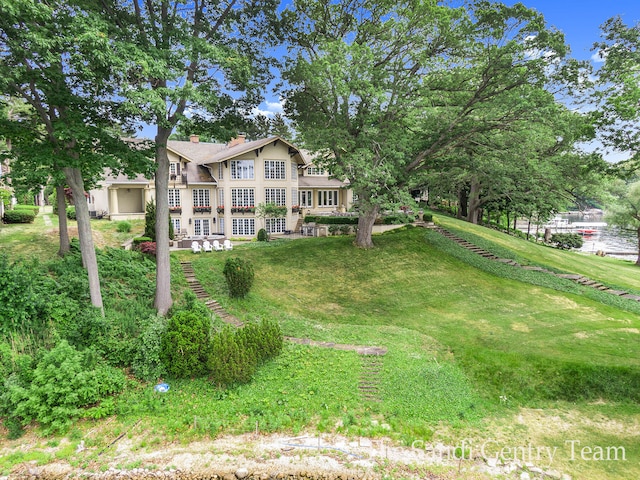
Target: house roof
x,y
196,152
320,182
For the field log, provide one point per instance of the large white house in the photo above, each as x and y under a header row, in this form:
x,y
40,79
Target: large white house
x,y
214,188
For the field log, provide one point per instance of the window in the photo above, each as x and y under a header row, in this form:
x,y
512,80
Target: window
x,y
174,198
176,224
201,226
221,197
174,169
294,196
316,171
242,169
221,225
220,171
277,196
327,198
275,225
274,170
306,198
242,197
201,197
243,226
294,171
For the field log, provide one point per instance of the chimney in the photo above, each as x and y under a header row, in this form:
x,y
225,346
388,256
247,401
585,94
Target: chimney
x,y
239,140
194,138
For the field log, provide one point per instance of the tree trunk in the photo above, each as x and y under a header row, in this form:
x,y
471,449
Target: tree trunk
x,y
89,259
463,202
163,299
474,201
365,226
65,245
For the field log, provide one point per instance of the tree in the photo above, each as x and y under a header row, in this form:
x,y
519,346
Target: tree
x,y
204,56
385,90
624,210
50,60
617,87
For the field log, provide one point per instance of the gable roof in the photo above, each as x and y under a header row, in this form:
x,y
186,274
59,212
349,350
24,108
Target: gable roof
x,y
195,152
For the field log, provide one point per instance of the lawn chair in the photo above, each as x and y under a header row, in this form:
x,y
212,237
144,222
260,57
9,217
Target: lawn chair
x,y
206,246
227,245
216,246
195,247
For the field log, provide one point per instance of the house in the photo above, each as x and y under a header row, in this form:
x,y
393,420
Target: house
x,y
215,188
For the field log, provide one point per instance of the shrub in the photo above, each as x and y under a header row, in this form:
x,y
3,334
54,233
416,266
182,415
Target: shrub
x,y
5,197
264,340
239,276
185,344
427,217
71,212
150,221
567,241
229,362
326,220
147,364
63,382
35,209
18,216
345,229
334,229
147,247
138,240
262,235
124,226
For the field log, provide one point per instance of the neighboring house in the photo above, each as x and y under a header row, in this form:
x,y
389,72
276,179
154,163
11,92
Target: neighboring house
x,y
214,188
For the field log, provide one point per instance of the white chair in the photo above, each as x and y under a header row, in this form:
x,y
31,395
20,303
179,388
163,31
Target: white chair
x,y
227,245
195,247
217,246
206,246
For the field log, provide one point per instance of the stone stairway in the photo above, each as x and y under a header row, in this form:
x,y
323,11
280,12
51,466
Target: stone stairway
x,y
369,384
582,280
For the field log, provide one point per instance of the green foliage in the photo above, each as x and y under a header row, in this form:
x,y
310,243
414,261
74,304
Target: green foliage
x,y
5,197
397,218
147,364
567,241
63,382
326,220
185,344
71,212
18,216
239,276
138,240
345,229
123,226
427,217
262,235
150,221
35,209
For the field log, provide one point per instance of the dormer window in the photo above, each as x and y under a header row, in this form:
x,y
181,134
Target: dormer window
x,y
174,170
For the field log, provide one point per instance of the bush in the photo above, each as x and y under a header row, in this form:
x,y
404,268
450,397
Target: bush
x,y
71,212
138,240
345,229
18,216
262,235
239,276
35,209
124,226
147,364
185,344
427,217
567,241
63,382
147,247
325,220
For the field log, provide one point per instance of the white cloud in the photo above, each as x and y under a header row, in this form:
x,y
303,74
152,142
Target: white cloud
x,y
268,108
599,57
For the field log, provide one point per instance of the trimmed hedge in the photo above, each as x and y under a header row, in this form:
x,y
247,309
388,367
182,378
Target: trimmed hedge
x,y
18,216
30,208
323,220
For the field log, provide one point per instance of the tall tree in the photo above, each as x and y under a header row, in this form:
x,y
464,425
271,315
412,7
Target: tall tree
x,y
624,210
387,89
205,56
57,57
617,88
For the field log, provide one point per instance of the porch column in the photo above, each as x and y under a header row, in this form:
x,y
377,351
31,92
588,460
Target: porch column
x,y
113,201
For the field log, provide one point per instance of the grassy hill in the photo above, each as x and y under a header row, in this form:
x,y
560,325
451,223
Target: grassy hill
x,y
476,349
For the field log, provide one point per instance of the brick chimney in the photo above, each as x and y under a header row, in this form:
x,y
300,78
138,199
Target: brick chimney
x,y
194,138
239,140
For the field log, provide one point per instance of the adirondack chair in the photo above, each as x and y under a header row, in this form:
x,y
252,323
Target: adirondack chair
x,y
195,247
217,246
206,246
227,245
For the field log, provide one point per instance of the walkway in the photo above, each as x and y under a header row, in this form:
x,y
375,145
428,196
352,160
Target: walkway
x,y
369,383
569,276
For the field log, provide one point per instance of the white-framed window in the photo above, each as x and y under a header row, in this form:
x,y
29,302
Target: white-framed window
x,y
201,226
221,197
243,197
306,198
174,169
316,172
275,225
243,226
220,171
174,197
242,169
294,171
277,196
275,170
221,225
201,197
294,196
327,198
176,224
354,197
